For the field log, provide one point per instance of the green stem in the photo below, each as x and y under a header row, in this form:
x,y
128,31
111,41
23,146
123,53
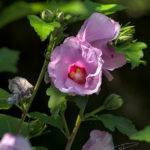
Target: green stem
x,y
94,112
40,78
65,125
78,122
74,132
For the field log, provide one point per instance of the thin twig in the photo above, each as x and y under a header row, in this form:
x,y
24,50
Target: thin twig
x,y
40,78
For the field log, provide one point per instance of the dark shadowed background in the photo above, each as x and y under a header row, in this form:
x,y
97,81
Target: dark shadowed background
x,y
132,85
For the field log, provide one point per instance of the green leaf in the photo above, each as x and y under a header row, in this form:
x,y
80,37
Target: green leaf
x,y
9,124
113,102
108,9
143,135
132,51
39,148
4,99
80,101
105,9
56,122
8,60
42,28
123,125
56,101
3,94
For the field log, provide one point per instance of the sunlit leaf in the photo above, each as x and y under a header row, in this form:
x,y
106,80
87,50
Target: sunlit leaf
x,y
42,28
132,51
4,99
105,9
143,135
8,60
108,9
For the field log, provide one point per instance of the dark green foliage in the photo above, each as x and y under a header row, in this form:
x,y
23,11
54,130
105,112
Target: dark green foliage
x,y
4,99
36,128
113,102
80,101
8,60
9,124
113,122
50,120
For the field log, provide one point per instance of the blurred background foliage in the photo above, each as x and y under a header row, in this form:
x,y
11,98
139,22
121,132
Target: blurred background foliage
x,y
136,8
132,85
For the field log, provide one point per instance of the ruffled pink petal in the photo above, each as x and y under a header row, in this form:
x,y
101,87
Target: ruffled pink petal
x,y
78,53
99,27
92,85
99,140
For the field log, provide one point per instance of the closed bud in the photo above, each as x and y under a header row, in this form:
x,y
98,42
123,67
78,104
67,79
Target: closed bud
x,y
47,15
60,16
113,102
36,128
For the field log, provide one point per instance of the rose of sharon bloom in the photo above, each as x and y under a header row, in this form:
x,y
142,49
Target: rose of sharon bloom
x,y
11,142
99,140
76,68
98,30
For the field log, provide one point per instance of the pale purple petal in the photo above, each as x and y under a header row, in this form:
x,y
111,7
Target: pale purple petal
x,y
11,142
112,60
99,30
117,29
99,27
76,52
99,140
22,144
84,44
